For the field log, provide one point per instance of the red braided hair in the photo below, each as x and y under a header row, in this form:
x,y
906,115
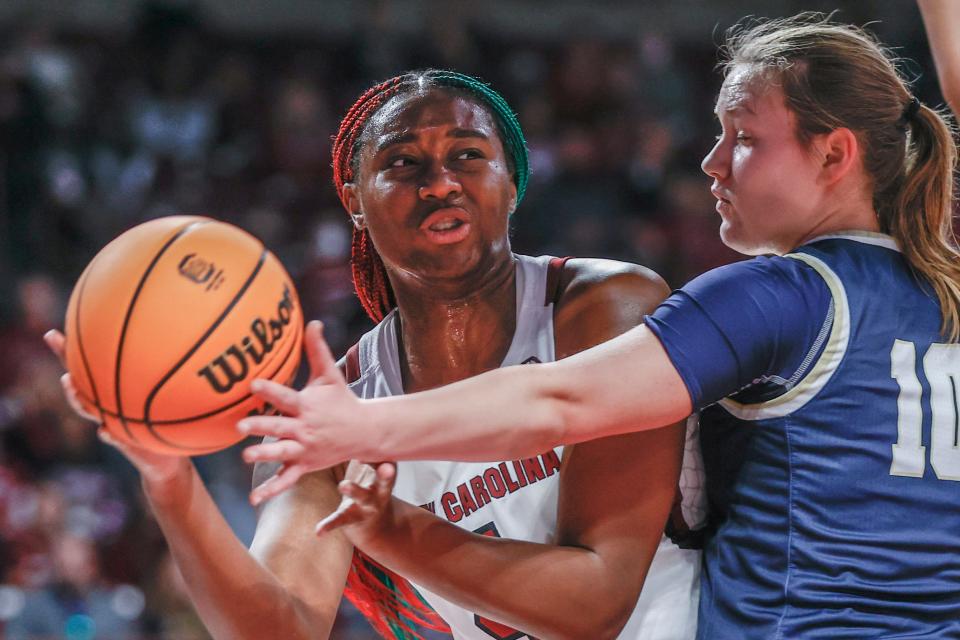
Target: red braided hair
x,y
387,600
369,275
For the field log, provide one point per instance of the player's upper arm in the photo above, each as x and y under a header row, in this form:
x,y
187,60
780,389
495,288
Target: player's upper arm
x,y
741,322
615,492
312,569
600,299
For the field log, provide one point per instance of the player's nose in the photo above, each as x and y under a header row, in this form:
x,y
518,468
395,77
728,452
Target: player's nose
x,y
714,164
439,182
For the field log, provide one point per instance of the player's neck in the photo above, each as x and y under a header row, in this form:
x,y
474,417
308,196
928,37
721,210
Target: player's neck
x,y
448,338
857,217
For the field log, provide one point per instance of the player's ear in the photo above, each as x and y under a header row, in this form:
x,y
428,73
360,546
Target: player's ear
x,y
512,206
839,153
352,202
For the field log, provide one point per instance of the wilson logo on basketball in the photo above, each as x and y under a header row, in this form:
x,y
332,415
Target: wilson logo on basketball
x,y
233,365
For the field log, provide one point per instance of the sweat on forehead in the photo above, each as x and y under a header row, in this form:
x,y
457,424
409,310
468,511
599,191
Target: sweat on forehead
x,y
434,106
745,84
356,125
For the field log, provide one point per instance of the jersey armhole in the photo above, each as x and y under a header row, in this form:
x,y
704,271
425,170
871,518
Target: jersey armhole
x,y
351,364
554,272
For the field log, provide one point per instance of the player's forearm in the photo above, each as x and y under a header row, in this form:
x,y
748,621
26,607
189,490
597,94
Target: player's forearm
x,y
232,592
941,19
475,420
627,384
544,590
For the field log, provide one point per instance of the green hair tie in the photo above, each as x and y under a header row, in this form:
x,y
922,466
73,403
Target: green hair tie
x,y
515,142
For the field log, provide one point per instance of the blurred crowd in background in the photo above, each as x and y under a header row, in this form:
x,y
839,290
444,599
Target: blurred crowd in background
x,y
102,132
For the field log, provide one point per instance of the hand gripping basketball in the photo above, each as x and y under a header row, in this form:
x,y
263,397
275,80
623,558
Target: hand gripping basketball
x,y
168,324
155,468
315,426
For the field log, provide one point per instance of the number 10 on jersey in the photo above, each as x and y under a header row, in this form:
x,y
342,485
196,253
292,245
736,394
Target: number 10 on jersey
x,y
941,366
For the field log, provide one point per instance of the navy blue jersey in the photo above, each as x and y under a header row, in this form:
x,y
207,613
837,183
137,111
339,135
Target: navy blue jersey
x,y
752,327
836,502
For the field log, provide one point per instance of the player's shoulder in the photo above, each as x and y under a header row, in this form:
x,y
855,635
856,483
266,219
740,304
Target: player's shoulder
x,y
361,358
600,299
778,293
762,273
604,281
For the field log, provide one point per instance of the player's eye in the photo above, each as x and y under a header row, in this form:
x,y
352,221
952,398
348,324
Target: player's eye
x,y
401,161
469,154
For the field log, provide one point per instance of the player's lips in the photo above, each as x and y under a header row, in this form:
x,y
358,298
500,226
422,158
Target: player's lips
x,y
723,203
719,194
446,225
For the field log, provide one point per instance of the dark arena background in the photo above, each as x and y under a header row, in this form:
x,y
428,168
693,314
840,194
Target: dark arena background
x,y
113,112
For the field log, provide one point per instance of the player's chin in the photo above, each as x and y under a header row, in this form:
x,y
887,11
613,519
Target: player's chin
x,y
744,243
732,236
727,235
453,261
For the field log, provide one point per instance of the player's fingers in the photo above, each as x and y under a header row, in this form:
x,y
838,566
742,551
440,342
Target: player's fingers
x,y
56,341
323,366
362,473
274,451
386,477
73,399
343,516
363,496
284,398
276,426
71,394
277,484
105,437
285,451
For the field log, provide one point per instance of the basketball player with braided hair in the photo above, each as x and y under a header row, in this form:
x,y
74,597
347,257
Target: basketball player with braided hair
x,y
826,370
430,166
445,156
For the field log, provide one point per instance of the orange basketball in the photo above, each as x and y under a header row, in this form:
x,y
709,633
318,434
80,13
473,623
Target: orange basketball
x,y
168,325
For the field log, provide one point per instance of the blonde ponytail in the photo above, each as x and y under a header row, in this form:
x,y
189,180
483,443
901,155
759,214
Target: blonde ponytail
x,y
921,218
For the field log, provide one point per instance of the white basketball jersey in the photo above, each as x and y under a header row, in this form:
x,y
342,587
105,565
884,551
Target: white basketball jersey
x,y
518,498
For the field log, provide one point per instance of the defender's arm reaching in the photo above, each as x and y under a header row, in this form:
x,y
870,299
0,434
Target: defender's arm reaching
x,y
626,384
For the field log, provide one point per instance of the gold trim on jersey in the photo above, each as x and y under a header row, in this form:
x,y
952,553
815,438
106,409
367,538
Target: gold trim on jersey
x,y
866,237
833,352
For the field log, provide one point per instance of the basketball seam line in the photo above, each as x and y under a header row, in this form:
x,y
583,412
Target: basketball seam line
x,y
164,423
150,425
216,323
236,298
126,320
83,353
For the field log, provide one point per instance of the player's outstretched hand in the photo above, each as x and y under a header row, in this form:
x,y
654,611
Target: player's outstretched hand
x,y
366,503
314,431
155,468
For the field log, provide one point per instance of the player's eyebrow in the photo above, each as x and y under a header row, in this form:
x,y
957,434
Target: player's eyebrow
x,y
468,133
402,137
390,139
734,108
